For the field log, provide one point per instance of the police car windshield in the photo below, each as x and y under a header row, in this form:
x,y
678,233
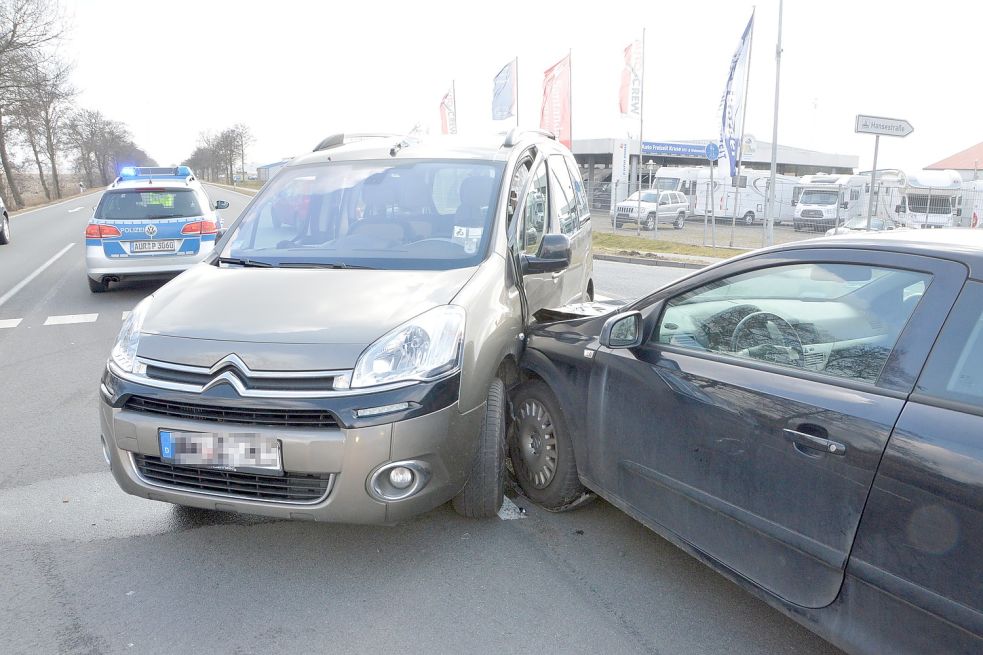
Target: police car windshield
x,y
433,214
148,204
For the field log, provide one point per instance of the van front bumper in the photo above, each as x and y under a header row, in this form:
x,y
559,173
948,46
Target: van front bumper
x,y
338,463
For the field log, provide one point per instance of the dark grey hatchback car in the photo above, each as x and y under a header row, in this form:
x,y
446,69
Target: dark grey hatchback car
x,y
807,420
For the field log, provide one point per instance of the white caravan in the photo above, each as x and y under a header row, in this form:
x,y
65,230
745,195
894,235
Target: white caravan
x,y
824,201
971,204
747,201
923,199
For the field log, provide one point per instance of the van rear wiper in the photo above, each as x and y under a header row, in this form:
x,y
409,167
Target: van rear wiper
x,y
322,265
244,262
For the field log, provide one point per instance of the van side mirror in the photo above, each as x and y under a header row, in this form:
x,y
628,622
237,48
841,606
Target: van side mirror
x,y
622,330
221,204
844,205
554,256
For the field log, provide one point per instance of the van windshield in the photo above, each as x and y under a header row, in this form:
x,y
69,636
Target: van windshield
x,y
428,215
812,197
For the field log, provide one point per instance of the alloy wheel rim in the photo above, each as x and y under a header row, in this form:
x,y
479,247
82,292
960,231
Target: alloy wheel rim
x,y
536,436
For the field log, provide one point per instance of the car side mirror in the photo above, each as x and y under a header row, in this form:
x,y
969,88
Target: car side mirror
x,y
554,256
844,205
622,330
221,204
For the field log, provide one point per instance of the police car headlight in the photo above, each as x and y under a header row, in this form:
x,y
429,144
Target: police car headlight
x,y
124,353
422,349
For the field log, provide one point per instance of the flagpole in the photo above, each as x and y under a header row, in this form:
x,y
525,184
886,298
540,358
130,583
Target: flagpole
x,y
641,118
517,91
770,207
740,146
570,93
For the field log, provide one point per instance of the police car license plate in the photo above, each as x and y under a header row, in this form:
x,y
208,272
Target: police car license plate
x,y
168,245
231,451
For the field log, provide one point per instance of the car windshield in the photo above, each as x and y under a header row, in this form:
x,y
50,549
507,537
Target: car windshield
x,y
148,204
372,214
860,223
646,197
811,197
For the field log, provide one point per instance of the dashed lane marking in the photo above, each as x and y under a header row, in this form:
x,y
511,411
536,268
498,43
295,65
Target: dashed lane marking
x,y
71,318
40,269
10,323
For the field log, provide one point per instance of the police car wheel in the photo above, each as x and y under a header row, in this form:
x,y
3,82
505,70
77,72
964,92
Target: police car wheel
x,y
97,286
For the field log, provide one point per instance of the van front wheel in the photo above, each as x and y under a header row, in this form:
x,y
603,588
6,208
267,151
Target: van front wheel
x,y
483,493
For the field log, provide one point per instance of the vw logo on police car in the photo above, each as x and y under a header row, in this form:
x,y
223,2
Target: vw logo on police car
x,y
151,230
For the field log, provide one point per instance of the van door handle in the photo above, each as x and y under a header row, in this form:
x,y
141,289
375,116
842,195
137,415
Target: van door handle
x,y
814,442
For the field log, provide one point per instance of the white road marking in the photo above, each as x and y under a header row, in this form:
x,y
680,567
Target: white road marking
x,y
77,209
126,315
57,204
71,318
27,280
10,322
225,188
510,510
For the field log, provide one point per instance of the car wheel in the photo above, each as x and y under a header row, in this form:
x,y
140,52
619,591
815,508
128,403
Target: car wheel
x,y
541,450
680,221
483,493
5,231
649,223
97,286
749,218
796,226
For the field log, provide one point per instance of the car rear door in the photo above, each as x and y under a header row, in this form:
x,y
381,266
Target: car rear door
x,y
920,542
765,464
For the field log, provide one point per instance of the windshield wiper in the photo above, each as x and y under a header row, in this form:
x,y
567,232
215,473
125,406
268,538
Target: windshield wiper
x,y
244,262
321,265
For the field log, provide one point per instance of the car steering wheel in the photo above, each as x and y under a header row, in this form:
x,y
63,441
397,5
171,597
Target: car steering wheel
x,y
754,325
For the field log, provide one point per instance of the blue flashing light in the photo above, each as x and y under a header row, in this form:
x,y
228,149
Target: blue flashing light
x,y
128,171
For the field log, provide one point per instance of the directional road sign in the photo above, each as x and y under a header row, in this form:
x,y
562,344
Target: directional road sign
x,y
883,126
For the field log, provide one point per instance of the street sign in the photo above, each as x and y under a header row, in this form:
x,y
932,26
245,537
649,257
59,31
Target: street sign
x,y
882,126
712,151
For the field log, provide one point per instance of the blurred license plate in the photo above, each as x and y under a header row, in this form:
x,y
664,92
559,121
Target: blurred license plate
x,y
168,245
243,451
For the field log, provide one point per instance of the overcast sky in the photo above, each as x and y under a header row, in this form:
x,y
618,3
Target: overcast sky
x,y
297,71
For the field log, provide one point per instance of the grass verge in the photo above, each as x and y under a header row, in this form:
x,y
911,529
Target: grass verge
x,y
606,242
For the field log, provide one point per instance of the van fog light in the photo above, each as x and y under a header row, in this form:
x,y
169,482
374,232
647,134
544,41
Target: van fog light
x,y
382,409
400,477
398,480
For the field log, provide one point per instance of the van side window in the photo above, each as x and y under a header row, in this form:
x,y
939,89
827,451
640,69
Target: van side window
x,y
519,178
535,213
954,370
564,197
583,207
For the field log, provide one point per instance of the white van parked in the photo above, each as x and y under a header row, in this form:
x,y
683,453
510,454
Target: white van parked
x,y
745,200
825,201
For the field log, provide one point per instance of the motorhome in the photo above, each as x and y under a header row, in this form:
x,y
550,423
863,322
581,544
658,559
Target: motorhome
x,y
922,199
970,211
743,198
825,201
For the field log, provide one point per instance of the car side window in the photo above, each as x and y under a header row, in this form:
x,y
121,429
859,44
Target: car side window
x,y
519,177
836,319
954,370
583,207
535,212
564,197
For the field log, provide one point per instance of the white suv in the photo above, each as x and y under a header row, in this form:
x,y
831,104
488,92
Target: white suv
x,y
662,206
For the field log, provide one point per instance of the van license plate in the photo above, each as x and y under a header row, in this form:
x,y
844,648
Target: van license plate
x,y
168,245
235,451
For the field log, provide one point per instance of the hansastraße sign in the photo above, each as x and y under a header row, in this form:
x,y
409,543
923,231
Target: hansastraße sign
x,y
881,125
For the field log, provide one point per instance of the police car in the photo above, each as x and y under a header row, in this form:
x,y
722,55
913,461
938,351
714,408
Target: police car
x,y
151,222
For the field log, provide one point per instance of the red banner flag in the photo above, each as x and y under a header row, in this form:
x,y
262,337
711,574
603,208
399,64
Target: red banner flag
x,y
555,114
630,96
448,113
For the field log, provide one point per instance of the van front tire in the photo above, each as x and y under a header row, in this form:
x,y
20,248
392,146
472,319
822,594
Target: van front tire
x,y
482,495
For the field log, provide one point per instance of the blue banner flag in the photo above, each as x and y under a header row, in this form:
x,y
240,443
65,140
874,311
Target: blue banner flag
x,y
732,103
503,99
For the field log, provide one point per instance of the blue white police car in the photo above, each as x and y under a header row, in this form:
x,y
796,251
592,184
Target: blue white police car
x,y
151,222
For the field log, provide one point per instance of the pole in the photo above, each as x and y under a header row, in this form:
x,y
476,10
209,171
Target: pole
x,y
641,119
740,151
570,93
770,207
454,95
873,182
928,207
713,214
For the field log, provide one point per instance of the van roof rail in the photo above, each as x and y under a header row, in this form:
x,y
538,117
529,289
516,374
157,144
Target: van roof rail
x,y
516,133
336,140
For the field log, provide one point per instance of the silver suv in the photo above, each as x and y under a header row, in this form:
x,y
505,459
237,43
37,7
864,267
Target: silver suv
x,y
347,352
656,206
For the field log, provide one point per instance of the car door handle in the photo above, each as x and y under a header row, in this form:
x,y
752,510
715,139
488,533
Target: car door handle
x,y
814,442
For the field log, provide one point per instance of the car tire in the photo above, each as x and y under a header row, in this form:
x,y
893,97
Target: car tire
x,y
5,231
797,226
749,218
680,221
483,493
538,428
649,223
97,286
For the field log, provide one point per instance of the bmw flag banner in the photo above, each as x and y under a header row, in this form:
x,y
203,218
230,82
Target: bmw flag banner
x,y
504,97
732,103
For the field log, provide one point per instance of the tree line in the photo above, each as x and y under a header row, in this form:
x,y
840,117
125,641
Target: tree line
x,y
221,155
41,128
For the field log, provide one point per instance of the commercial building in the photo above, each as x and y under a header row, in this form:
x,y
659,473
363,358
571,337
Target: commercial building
x,y
967,163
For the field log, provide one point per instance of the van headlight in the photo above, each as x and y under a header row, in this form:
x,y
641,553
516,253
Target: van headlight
x,y
124,353
421,349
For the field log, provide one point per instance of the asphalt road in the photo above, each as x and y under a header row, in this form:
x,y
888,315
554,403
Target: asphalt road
x,y
88,569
